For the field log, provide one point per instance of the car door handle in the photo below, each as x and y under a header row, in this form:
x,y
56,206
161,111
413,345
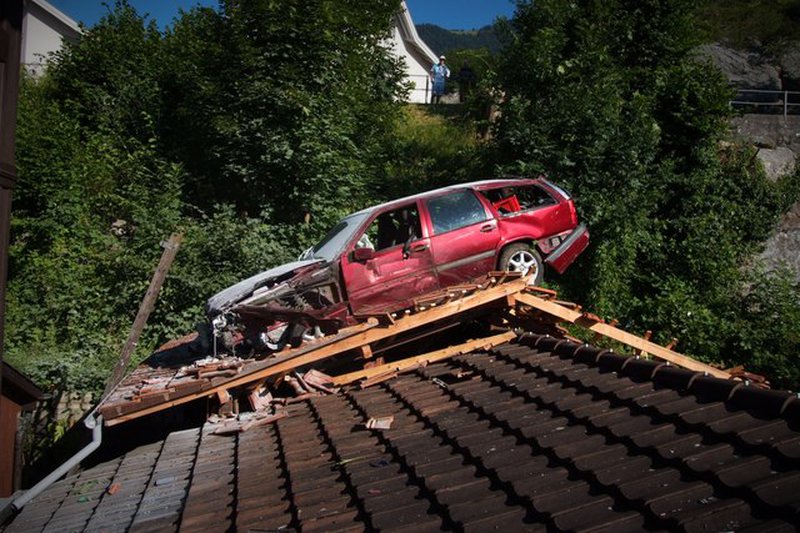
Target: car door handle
x,y
487,228
419,248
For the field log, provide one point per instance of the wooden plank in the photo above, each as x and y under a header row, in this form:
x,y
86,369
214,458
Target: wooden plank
x,y
366,351
146,307
619,335
293,359
380,378
438,355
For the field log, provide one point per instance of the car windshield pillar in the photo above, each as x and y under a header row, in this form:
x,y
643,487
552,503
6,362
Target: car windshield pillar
x,y
333,244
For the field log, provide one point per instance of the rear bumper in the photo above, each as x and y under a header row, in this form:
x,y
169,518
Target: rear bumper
x,y
563,256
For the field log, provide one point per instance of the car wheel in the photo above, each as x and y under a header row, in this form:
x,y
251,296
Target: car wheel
x,y
521,257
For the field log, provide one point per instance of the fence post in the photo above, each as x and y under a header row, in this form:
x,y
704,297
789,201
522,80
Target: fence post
x,y
427,80
785,104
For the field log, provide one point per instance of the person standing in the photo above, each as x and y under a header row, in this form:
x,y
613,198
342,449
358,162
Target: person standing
x,y
439,73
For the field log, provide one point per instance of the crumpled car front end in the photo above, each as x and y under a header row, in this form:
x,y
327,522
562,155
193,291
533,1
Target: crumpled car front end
x,y
276,307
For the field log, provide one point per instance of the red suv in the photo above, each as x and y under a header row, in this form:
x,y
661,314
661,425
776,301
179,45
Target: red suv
x,y
379,259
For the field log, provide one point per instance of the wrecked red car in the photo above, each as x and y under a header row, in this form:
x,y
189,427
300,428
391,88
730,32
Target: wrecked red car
x,y
379,259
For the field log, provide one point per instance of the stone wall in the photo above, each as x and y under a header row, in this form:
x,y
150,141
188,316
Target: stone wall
x,y
72,406
778,142
783,248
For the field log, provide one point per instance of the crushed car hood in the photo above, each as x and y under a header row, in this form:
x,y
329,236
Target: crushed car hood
x,y
224,300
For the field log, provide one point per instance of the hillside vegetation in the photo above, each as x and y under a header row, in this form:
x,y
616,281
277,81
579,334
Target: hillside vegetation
x,y
252,128
444,41
608,98
747,23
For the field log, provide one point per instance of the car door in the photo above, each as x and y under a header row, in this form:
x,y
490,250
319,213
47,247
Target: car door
x,y
464,236
398,268
529,211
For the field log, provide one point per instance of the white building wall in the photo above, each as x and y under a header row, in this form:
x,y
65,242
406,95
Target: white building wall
x,y
42,34
416,74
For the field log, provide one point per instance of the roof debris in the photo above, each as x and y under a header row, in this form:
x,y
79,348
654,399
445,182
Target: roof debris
x,y
540,434
383,422
244,421
296,373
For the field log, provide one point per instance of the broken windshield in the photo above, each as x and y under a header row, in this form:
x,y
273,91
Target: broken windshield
x,y
337,238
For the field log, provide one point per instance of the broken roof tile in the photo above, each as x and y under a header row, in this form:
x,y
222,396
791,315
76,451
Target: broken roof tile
x,y
543,434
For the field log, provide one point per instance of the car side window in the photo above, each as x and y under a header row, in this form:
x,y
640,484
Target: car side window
x,y
392,228
455,210
508,200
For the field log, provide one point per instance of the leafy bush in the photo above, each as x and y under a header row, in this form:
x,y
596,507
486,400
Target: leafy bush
x,y
606,98
249,128
429,150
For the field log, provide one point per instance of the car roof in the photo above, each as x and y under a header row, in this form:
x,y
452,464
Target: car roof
x,y
477,185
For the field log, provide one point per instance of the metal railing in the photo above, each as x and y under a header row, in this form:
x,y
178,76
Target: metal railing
x,y
763,101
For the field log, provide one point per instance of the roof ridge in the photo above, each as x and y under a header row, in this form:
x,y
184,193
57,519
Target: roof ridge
x,y
734,393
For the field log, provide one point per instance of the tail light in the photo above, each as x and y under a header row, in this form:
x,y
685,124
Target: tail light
x,y
573,213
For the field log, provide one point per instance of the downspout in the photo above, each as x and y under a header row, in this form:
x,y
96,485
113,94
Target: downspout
x,y
96,425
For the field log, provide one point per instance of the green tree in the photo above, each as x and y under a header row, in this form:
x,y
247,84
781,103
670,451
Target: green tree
x,y
294,100
89,213
606,98
237,126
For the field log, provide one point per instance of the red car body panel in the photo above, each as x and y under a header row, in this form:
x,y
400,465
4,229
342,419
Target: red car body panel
x,y
391,276
406,248
535,224
563,256
465,253
390,281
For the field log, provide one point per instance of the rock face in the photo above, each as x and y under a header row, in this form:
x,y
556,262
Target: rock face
x,y
768,131
776,136
783,248
745,70
777,162
790,66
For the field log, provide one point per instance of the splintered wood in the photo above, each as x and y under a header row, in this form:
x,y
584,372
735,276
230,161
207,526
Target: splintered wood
x,y
206,382
594,323
505,299
245,421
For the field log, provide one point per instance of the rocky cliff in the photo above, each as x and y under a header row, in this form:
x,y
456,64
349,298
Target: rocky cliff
x,y
776,137
756,69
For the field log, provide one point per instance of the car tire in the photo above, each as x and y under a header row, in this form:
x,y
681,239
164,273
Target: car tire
x,y
522,257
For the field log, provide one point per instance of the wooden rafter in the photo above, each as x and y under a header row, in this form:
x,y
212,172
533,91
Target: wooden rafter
x,y
520,304
607,330
438,355
313,353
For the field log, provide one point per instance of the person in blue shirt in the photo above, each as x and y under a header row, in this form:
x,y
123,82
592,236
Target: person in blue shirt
x,y
439,73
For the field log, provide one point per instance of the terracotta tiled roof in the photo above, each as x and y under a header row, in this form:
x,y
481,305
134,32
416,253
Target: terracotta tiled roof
x,y
536,435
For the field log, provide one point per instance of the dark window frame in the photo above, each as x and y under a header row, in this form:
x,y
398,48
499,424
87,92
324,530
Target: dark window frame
x,y
414,206
468,192
516,188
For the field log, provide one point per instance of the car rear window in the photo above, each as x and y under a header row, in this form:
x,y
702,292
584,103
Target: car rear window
x,y
509,200
455,210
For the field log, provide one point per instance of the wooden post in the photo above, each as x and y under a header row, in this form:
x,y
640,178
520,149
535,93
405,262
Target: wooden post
x,y
146,307
427,82
10,44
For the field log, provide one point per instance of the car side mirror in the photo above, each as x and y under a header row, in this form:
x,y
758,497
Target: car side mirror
x,y
362,255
